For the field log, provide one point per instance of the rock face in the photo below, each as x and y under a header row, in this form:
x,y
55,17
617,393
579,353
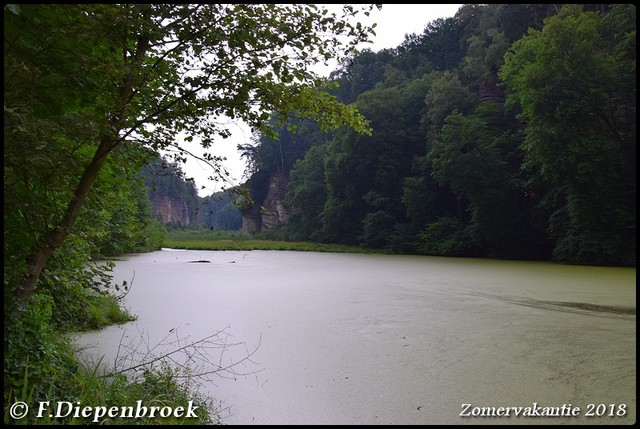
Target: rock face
x,y
491,92
272,211
170,210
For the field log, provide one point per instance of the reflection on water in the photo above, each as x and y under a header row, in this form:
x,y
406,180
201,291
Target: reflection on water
x,y
379,339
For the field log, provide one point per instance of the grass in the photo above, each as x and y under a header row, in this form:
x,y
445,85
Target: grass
x,y
89,394
203,239
101,311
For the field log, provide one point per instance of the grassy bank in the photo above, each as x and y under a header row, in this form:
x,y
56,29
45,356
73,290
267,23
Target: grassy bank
x,y
203,239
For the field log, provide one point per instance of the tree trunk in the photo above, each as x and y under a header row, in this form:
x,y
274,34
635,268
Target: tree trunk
x,y
54,237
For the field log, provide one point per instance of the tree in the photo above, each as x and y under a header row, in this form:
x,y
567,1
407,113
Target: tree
x,y
574,83
103,77
364,173
478,157
307,194
361,74
445,95
437,48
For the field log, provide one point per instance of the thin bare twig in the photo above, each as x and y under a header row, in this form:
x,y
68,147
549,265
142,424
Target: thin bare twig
x,y
192,361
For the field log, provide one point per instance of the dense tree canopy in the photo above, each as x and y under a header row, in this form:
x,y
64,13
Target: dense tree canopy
x,y
504,131
566,80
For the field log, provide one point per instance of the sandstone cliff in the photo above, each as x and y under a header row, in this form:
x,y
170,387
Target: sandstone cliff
x,y
270,212
170,210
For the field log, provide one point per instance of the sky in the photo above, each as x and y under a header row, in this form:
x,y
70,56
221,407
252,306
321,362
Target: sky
x,y
394,21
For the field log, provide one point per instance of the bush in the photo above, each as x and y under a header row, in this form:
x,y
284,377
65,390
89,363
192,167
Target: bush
x,y
447,237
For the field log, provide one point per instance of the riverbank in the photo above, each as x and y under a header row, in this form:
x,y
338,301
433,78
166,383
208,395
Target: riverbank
x,y
199,239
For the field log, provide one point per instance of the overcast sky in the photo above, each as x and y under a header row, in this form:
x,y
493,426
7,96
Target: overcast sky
x,y
394,21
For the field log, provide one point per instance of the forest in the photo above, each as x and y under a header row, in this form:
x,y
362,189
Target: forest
x,y
506,131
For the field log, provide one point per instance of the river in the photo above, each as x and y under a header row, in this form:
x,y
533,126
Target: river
x,y
388,339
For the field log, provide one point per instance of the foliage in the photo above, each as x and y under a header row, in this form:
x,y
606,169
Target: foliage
x,y
361,171
307,194
165,178
479,161
149,73
550,174
447,237
446,95
437,48
361,74
566,81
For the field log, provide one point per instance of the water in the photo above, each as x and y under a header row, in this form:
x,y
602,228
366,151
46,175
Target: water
x,y
380,339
